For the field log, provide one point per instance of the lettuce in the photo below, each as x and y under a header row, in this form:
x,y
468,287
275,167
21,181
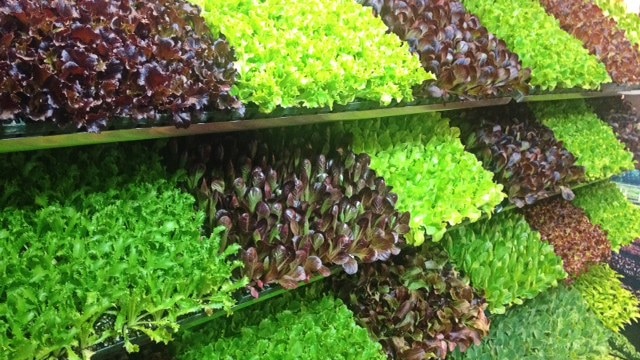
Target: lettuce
x,y
423,160
555,325
294,326
291,53
586,136
558,61
606,206
605,295
505,258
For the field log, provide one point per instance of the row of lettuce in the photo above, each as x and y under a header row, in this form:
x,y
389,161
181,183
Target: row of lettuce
x,y
102,244
84,64
418,306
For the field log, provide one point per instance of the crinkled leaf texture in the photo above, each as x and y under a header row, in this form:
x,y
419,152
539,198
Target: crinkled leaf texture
x,y
587,22
422,157
587,137
559,61
524,155
614,305
417,306
85,62
297,325
606,206
555,325
295,216
624,120
105,264
468,61
293,54
628,22
575,239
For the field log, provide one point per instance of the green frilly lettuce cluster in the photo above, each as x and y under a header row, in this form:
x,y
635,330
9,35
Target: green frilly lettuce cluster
x,y
614,305
589,139
294,53
435,179
556,59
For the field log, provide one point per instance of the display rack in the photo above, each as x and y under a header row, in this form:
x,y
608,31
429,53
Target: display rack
x,y
23,140
25,143
201,318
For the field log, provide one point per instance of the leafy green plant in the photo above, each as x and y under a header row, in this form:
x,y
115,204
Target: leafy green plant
x,y
614,305
600,34
107,266
623,119
617,10
587,137
555,325
82,63
505,258
418,306
524,155
422,157
291,54
559,61
606,206
575,239
294,216
293,326
468,61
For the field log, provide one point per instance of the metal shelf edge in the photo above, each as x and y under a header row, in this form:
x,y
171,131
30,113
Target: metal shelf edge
x,y
27,143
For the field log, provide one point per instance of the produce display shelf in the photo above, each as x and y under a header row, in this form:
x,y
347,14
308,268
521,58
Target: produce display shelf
x,y
248,301
26,143
201,318
606,91
23,137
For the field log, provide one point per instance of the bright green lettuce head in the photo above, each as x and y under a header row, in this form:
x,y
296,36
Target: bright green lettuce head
x,y
606,206
294,53
505,258
591,140
436,180
556,59
614,305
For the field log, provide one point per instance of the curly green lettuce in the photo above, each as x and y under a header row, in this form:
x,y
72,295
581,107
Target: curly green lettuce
x,y
292,53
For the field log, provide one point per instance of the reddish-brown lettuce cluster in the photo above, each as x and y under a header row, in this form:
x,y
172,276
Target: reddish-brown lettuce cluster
x,y
624,120
84,62
295,216
417,306
524,155
575,239
467,60
600,35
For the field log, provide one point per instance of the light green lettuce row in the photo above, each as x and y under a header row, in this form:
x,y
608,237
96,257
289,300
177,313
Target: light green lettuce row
x,y
505,258
606,206
614,305
628,22
293,326
557,59
592,141
436,180
293,53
